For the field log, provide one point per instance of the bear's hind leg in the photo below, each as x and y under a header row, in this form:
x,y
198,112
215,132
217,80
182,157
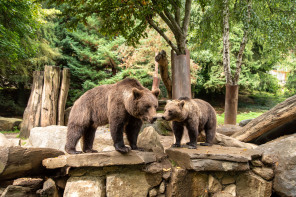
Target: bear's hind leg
x,y
193,133
88,140
210,135
74,133
132,130
178,129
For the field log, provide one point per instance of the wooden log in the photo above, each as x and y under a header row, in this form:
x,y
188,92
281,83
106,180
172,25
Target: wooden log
x,y
17,162
65,84
50,96
32,113
277,116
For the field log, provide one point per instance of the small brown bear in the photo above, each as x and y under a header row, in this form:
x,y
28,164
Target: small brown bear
x,y
123,105
196,115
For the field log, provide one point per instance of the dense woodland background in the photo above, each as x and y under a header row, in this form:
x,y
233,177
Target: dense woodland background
x,y
34,34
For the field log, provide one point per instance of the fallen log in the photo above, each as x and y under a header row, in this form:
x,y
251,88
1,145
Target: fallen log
x,y
279,115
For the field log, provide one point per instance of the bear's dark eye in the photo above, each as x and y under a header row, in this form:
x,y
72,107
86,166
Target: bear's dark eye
x,y
147,106
170,111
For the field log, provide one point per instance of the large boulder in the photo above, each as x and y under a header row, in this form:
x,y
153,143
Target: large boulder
x,y
16,161
4,141
9,124
149,140
282,151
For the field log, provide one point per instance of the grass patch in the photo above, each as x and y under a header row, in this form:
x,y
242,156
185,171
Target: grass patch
x,y
240,117
15,130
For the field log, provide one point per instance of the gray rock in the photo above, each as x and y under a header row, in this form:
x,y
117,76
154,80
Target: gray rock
x,y
282,152
17,161
162,187
228,129
49,189
33,183
17,191
215,158
257,163
4,141
149,140
101,159
214,185
9,124
222,194
249,184
231,189
127,184
228,180
153,192
187,183
49,137
85,186
266,173
14,141
244,122
227,141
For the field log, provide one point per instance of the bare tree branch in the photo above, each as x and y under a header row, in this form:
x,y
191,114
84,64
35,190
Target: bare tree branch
x,y
187,16
154,26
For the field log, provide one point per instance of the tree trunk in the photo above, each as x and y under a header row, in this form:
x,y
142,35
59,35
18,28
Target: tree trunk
x,y
32,112
277,116
162,60
50,96
181,75
231,100
226,52
156,80
65,84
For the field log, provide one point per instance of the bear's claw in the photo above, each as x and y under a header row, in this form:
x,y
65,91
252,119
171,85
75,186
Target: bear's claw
x,y
122,149
206,144
176,145
91,151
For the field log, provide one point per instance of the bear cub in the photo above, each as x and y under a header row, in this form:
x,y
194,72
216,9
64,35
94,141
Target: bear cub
x,y
124,105
196,115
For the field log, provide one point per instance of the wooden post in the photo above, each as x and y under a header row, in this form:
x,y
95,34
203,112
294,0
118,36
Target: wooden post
x,y
181,75
231,100
65,84
50,96
31,117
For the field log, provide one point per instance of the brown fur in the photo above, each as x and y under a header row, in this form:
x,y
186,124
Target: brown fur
x,y
196,115
123,105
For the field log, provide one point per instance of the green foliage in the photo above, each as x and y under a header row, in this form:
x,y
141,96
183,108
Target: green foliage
x,y
15,130
240,117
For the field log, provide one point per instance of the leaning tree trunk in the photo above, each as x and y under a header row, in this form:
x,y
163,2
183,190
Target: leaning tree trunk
x,y
156,80
162,60
181,75
277,116
31,117
65,84
50,96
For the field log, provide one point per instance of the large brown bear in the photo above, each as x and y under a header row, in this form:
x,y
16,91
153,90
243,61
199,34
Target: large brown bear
x,y
196,115
123,105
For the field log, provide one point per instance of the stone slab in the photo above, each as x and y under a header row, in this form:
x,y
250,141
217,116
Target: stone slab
x,y
112,158
216,152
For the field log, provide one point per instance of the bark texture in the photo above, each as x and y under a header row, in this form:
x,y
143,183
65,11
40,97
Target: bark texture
x,y
277,116
31,117
50,96
162,60
231,101
65,84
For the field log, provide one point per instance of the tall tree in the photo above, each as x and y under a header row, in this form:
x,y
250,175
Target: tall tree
x,y
130,18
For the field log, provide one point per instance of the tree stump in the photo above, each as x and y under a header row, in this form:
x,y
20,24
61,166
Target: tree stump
x,y
65,84
32,112
50,96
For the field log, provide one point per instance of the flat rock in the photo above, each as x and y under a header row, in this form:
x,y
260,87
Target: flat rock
x,y
17,191
4,141
16,161
228,129
112,158
213,158
266,173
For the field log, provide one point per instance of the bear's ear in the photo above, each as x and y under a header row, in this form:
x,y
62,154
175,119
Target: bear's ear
x,y
156,92
181,103
137,93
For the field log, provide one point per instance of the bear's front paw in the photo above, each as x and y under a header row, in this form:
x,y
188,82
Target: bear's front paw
x,y
90,151
176,145
123,149
73,152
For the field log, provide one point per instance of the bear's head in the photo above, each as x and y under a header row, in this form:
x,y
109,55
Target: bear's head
x,y
175,111
142,104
